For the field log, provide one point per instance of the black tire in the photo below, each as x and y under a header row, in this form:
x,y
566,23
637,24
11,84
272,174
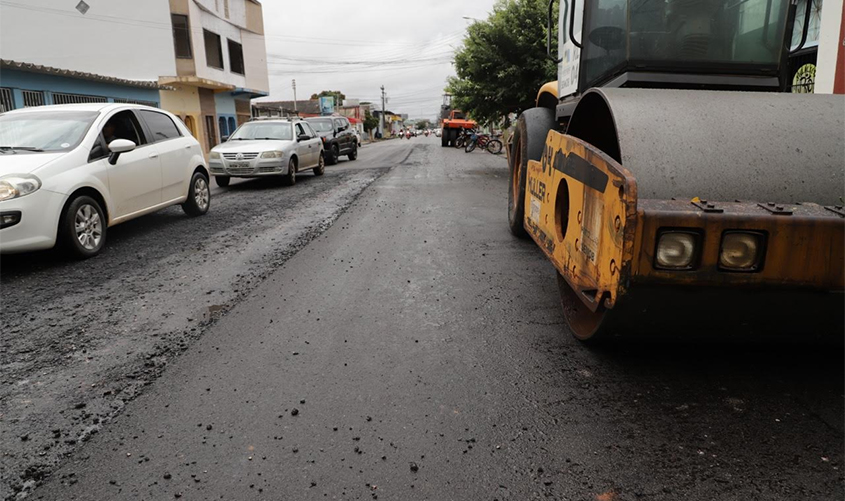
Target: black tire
x,y
222,181
320,169
529,140
199,195
470,146
332,155
93,234
494,146
353,155
460,141
289,179
444,141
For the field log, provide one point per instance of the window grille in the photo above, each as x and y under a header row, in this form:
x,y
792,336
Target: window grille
x,y
61,98
33,98
6,103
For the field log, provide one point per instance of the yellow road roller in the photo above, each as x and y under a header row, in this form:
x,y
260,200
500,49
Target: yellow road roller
x,y
677,186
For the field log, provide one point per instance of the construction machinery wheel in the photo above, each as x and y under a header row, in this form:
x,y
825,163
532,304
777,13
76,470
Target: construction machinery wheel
x,y
529,140
444,139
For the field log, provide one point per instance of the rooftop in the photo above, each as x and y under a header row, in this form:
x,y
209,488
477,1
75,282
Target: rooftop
x,y
9,64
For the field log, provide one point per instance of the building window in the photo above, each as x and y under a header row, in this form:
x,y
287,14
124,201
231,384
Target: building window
x,y
32,98
213,50
189,123
226,8
236,57
6,103
223,132
181,36
61,98
231,123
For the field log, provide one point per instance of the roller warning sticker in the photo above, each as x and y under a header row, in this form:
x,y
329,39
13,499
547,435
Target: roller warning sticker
x,y
534,214
591,226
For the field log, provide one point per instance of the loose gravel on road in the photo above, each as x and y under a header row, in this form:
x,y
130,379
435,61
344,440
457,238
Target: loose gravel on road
x,y
78,340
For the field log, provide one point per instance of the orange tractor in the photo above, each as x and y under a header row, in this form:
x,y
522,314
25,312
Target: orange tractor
x,y
452,122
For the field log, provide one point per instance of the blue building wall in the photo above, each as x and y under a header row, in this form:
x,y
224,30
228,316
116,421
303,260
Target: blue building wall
x,y
224,103
19,80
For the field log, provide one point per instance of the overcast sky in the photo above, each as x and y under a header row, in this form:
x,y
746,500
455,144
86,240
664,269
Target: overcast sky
x,y
357,46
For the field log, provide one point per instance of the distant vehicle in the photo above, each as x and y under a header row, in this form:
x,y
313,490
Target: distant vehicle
x,y
68,172
279,148
453,125
337,136
438,132
357,136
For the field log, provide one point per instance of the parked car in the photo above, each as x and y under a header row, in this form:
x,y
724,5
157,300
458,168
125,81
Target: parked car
x,y
278,147
69,172
337,136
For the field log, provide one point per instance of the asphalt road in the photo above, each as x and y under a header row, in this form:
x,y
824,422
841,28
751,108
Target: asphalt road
x,y
411,350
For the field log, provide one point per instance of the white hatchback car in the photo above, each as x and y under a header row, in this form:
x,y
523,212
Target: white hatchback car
x,y
68,172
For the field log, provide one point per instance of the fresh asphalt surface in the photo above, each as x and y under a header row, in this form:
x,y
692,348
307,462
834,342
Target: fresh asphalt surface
x,y
416,350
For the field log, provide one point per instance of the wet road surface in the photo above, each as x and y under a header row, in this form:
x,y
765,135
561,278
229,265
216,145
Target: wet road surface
x,y
415,350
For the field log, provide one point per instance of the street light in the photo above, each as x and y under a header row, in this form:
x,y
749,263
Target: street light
x,y
470,18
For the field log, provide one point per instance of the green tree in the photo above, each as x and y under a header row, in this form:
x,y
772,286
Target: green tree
x,y
338,96
423,124
370,122
502,62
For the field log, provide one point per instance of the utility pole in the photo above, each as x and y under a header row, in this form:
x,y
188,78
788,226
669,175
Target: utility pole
x,y
381,123
294,97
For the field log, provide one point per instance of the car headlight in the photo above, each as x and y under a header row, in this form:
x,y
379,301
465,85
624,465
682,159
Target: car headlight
x,y
741,250
214,155
18,185
676,250
272,154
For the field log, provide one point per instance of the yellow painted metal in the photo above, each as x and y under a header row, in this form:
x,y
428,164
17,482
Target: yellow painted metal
x,y
580,208
548,89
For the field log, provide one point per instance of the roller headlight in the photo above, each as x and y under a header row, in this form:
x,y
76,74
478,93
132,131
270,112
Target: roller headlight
x,y
272,154
676,250
214,155
741,251
18,185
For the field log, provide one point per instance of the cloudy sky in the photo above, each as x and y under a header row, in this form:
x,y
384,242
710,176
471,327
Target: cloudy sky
x,y
358,46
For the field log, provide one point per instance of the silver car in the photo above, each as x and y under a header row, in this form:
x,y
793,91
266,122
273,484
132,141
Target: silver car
x,y
277,147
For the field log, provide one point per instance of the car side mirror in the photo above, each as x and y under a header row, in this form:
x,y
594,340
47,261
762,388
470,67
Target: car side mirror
x,y
303,137
119,146
225,138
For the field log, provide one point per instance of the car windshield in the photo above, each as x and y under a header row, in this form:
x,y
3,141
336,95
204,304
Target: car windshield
x,y
44,130
321,125
255,130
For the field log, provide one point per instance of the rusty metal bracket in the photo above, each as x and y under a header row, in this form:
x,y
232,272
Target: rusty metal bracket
x,y
776,209
838,209
707,206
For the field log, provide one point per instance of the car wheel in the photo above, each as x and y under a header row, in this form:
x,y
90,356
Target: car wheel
x,y
320,169
199,196
290,178
82,229
222,181
354,153
334,153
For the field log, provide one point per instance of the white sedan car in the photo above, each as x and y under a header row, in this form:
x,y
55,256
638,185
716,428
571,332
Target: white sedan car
x,y
68,172
278,148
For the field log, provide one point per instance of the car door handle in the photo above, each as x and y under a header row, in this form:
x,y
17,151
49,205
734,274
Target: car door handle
x,y
153,155
188,147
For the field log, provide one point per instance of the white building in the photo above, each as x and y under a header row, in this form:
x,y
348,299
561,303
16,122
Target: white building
x,y
221,63
83,51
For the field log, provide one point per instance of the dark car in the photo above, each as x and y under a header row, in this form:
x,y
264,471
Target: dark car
x,y
338,137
